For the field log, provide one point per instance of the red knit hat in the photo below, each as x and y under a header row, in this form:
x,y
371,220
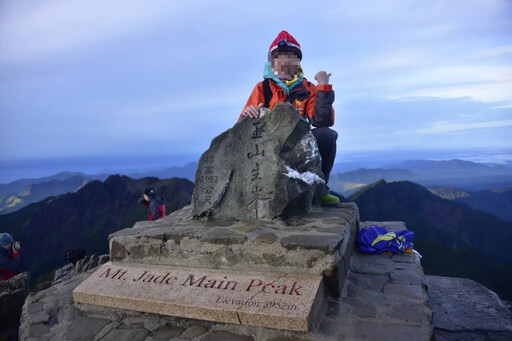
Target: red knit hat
x,y
285,39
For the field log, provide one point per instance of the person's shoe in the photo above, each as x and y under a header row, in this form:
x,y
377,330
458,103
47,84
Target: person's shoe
x,y
329,200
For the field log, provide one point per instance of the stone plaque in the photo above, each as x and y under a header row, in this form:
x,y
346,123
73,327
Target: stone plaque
x,y
272,300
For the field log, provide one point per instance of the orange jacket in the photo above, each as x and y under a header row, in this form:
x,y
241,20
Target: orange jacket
x,y
311,101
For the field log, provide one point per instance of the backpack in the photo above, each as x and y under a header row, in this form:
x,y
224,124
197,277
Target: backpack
x,y
267,92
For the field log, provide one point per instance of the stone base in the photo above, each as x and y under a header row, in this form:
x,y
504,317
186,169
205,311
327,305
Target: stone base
x,y
319,243
385,299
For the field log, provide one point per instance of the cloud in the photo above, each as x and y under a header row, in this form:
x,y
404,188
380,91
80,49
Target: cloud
x,y
95,76
48,28
442,127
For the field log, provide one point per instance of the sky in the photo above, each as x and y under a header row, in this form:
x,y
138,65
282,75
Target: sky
x,y
128,78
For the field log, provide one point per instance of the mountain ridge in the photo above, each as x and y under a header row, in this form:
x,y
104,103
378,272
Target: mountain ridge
x,y
459,229
84,219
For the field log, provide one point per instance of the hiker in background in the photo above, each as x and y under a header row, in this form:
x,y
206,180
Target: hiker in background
x,y
284,82
10,258
155,204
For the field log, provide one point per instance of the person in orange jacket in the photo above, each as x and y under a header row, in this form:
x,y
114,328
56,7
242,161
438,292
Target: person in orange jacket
x,y
284,82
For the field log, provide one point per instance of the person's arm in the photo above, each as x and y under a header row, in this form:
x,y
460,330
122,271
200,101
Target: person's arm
x,y
254,102
13,265
319,108
143,201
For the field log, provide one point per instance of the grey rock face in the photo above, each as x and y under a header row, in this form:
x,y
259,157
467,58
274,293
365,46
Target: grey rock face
x,y
465,309
260,169
12,297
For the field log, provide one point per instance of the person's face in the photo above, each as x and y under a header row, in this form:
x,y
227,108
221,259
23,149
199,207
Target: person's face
x,y
286,64
146,197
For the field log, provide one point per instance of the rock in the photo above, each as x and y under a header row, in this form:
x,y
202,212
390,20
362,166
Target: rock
x,y
85,328
386,331
328,243
132,334
226,336
462,307
260,169
165,333
83,265
12,297
193,331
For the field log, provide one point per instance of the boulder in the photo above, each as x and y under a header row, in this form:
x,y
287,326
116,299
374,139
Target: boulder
x,y
261,168
12,296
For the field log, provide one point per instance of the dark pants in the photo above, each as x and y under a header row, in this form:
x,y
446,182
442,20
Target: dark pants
x,y
326,141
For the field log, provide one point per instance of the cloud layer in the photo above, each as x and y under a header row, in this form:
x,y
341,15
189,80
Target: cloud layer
x,y
131,77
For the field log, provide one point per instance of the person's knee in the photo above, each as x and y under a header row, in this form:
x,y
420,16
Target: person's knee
x,y
325,135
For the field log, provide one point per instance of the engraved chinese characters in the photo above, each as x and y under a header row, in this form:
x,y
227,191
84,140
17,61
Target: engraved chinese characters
x,y
260,169
258,195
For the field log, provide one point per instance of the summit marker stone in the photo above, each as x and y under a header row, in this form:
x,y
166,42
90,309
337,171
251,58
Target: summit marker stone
x,y
261,168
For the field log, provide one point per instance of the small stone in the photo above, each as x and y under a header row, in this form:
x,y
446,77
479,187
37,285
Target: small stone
x,y
223,236
190,232
135,334
273,259
361,308
330,229
373,259
85,328
373,282
166,332
106,330
193,331
386,331
265,238
157,232
369,268
117,251
444,335
226,336
34,307
405,277
404,258
40,317
325,243
38,330
405,266
406,310
400,290
248,227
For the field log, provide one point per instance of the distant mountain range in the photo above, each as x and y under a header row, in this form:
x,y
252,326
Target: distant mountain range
x,y
482,187
454,173
39,191
21,193
187,172
454,239
496,201
84,219
20,185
